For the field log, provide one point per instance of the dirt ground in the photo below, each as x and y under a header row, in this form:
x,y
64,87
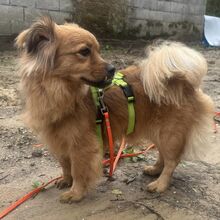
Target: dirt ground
x,y
194,192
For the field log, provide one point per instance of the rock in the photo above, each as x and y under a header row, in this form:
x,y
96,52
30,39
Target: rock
x,y
111,179
37,153
211,61
32,164
9,146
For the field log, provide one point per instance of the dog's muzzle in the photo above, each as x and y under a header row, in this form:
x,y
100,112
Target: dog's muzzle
x,y
110,71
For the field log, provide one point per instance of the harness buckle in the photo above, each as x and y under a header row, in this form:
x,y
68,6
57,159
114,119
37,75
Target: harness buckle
x,y
130,98
128,92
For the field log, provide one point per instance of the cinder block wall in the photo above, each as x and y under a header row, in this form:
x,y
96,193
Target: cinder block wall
x,y
167,17
16,15
113,18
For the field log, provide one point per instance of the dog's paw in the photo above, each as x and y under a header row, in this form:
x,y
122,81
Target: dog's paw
x,y
64,183
152,170
70,197
157,186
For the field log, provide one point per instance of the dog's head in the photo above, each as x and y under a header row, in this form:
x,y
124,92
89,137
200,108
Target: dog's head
x,y
66,51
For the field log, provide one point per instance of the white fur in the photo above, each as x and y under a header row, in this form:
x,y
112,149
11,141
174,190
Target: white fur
x,y
168,61
199,140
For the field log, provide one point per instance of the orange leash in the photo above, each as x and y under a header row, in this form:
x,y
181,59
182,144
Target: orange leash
x,y
25,198
110,142
121,148
107,161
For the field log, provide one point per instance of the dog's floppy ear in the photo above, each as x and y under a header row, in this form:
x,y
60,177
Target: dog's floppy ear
x,y
40,43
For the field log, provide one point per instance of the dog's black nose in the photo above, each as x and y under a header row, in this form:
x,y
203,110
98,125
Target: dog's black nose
x,y
110,70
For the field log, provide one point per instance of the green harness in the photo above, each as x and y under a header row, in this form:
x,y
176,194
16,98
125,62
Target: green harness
x,y
97,95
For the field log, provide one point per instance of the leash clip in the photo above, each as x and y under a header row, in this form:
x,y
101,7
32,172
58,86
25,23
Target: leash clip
x,y
103,107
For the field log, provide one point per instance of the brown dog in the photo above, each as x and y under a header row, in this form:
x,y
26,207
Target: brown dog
x,y
60,62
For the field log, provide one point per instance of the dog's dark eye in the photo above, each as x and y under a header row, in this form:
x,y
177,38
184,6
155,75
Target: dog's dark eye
x,y
85,52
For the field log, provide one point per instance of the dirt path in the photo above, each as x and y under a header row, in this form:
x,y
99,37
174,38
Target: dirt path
x,y
194,193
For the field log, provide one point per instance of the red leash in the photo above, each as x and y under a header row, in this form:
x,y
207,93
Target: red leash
x,y
121,148
25,198
110,142
107,161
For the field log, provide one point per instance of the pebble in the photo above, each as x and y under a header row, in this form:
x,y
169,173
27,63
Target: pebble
x,y
111,178
32,164
9,146
211,62
37,153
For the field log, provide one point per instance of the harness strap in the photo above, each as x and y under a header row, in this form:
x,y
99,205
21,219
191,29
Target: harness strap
x,y
127,90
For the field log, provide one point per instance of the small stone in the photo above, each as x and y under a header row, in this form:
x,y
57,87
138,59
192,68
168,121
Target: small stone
x,y
211,61
136,205
37,153
125,180
32,164
130,180
117,192
9,146
46,154
5,159
111,179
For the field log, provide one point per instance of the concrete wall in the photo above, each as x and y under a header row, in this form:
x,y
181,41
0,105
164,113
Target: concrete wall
x,y
16,15
110,18
167,17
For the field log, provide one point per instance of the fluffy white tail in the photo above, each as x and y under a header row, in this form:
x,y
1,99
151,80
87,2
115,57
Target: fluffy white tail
x,y
166,63
199,141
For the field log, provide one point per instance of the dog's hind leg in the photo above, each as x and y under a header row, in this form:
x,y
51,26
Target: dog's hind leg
x,y
67,179
156,168
86,167
171,153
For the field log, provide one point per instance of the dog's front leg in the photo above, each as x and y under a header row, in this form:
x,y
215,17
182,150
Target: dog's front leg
x,y
86,167
67,179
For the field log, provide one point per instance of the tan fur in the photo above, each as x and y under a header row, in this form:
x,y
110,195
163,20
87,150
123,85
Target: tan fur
x,y
170,108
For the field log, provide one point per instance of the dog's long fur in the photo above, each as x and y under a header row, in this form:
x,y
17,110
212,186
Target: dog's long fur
x,y
171,110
